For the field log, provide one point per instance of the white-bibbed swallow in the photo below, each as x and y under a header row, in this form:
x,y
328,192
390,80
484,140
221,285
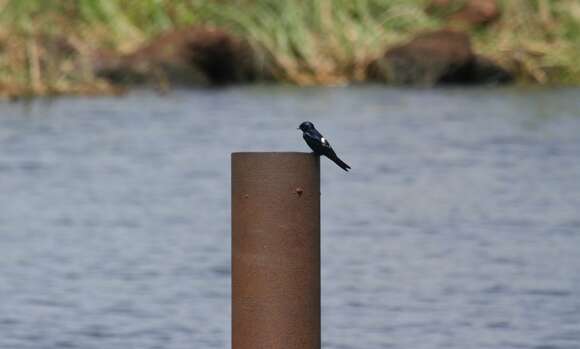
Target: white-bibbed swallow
x,y
319,144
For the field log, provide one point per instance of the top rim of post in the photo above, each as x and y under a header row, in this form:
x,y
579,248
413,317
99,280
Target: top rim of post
x,y
270,153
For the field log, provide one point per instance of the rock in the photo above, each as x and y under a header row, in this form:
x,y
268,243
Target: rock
x,y
429,58
485,71
470,12
192,55
439,57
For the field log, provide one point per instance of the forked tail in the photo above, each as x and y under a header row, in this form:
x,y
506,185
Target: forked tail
x,y
340,163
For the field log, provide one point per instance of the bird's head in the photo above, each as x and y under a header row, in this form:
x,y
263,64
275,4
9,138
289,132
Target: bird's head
x,y
305,126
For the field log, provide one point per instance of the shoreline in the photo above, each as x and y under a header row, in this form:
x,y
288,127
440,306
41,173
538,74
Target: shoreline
x,y
299,43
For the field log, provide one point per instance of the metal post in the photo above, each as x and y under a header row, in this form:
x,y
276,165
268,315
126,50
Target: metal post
x,y
275,251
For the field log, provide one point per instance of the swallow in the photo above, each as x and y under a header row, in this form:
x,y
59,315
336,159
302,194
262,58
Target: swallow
x,y
319,144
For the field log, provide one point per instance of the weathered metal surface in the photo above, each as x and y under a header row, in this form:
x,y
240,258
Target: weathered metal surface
x,y
275,251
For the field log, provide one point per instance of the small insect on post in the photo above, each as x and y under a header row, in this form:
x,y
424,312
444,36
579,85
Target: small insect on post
x,y
275,251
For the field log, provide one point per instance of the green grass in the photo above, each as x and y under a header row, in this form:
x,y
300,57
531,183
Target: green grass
x,y
45,45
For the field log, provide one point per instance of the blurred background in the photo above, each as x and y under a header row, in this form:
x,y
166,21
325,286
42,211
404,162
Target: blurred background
x,y
457,227
52,47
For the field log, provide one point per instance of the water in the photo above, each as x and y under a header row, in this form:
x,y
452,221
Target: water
x,y
458,227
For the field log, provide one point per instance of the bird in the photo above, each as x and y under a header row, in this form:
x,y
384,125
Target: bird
x,y
319,144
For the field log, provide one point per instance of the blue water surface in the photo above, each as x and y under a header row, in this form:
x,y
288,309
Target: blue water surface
x,y
458,227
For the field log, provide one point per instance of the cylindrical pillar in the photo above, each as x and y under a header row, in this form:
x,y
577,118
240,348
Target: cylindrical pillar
x,y
275,251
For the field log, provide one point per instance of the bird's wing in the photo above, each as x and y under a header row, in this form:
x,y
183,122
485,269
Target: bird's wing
x,y
325,142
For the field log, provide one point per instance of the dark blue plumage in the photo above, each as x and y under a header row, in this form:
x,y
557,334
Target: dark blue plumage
x,y
319,144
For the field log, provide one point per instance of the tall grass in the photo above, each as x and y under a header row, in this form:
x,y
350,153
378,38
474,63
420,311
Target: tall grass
x,y
45,45
540,39
325,41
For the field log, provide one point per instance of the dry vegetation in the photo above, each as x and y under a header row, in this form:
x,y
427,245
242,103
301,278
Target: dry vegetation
x,y
46,45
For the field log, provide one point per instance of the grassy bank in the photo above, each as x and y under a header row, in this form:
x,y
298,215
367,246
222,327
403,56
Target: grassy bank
x,y
46,45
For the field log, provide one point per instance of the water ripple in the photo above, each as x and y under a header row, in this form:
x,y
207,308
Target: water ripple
x,y
457,227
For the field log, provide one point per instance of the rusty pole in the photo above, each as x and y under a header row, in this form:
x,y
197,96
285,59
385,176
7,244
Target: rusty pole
x,y
275,251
